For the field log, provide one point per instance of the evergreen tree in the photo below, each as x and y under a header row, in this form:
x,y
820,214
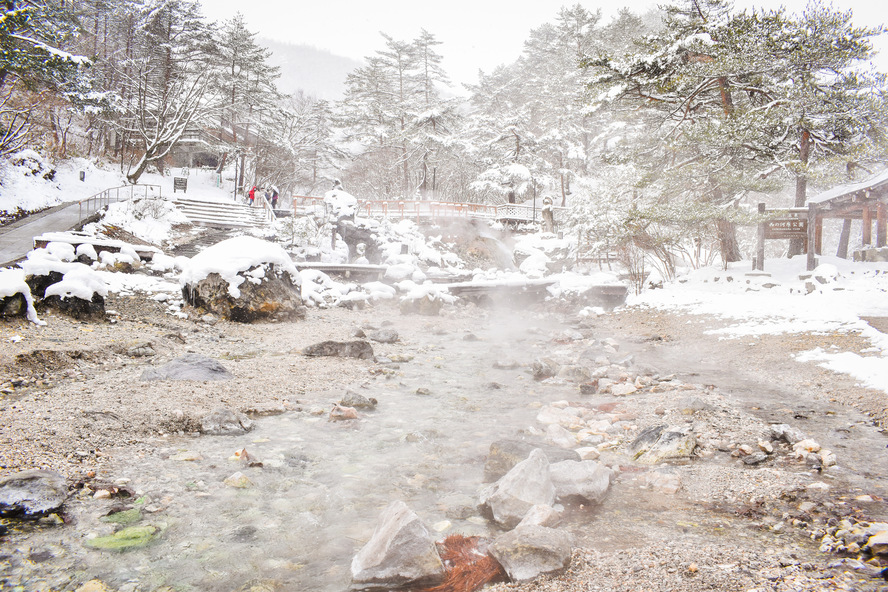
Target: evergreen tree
x,y
393,111
725,98
247,84
533,132
32,59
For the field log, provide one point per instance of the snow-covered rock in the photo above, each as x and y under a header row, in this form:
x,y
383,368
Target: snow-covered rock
x,y
15,296
244,279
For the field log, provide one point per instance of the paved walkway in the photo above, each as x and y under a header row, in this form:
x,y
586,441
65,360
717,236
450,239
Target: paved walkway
x,y
17,239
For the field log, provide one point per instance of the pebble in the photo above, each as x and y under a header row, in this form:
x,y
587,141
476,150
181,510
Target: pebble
x,y
188,455
238,480
442,526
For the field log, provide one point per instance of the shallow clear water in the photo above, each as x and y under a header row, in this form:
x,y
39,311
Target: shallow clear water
x,y
315,500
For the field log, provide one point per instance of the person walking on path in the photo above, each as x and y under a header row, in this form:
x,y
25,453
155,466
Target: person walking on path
x,y
252,195
274,197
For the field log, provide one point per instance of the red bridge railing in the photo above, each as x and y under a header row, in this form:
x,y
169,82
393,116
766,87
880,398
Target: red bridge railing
x,y
403,209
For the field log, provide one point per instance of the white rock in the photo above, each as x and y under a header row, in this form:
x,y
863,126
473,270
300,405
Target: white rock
x,y
559,436
588,453
622,389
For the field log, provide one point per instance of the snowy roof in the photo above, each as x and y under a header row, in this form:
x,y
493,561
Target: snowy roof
x,y
871,183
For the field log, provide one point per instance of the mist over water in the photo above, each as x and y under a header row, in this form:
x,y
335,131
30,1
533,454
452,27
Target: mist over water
x,y
315,500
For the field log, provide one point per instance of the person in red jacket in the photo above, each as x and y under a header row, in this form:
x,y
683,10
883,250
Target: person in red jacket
x,y
252,194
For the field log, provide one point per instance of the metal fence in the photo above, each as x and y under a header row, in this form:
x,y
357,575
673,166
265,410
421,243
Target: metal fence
x,y
93,204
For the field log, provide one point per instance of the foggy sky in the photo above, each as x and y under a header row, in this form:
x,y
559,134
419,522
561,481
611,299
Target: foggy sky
x,y
475,33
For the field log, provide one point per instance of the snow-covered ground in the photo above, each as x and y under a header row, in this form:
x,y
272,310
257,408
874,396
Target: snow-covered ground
x,y
838,296
31,182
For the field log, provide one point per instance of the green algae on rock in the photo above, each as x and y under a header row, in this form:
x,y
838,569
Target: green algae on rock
x,y
133,537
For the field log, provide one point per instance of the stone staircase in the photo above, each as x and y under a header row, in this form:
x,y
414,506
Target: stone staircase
x,y
223,214
209,237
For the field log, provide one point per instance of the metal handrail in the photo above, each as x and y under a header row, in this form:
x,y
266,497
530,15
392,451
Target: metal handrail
x,y
269,211
96,202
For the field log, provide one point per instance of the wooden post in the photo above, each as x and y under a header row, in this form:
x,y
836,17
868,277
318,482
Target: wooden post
x,y
818,236
867,226
812,223
881,224
759,262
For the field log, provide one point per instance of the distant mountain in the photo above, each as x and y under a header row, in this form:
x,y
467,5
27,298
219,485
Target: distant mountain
x,y
315,71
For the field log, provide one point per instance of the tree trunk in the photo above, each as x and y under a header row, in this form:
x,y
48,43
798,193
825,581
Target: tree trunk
x,y
842,251
727,240
796,245
133,176
423,187
726,231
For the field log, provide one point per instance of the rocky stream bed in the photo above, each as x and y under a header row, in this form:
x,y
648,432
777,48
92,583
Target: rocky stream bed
x,y
774,478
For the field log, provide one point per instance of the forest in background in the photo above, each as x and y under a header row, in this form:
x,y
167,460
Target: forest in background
x,y
651,128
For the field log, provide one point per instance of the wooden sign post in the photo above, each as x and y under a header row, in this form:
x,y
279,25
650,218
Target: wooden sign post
x,y
788,227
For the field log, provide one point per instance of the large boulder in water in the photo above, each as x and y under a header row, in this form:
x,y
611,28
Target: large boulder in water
x,y
505,454
244,279
401,552
659,443
530,551
32,493
585,479
528,484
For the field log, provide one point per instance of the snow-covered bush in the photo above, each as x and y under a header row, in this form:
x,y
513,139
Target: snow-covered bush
x,y
319,289
32,164
150,219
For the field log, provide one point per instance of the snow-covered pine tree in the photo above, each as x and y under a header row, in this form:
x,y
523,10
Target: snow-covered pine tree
x,y
723,98
33,35
396,120
821,107
247,84
532,130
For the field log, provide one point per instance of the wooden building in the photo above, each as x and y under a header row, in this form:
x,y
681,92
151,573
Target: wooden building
x,y
866,201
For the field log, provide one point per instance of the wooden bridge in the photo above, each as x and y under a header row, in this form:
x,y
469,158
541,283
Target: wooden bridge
x,y
347,270
422,210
